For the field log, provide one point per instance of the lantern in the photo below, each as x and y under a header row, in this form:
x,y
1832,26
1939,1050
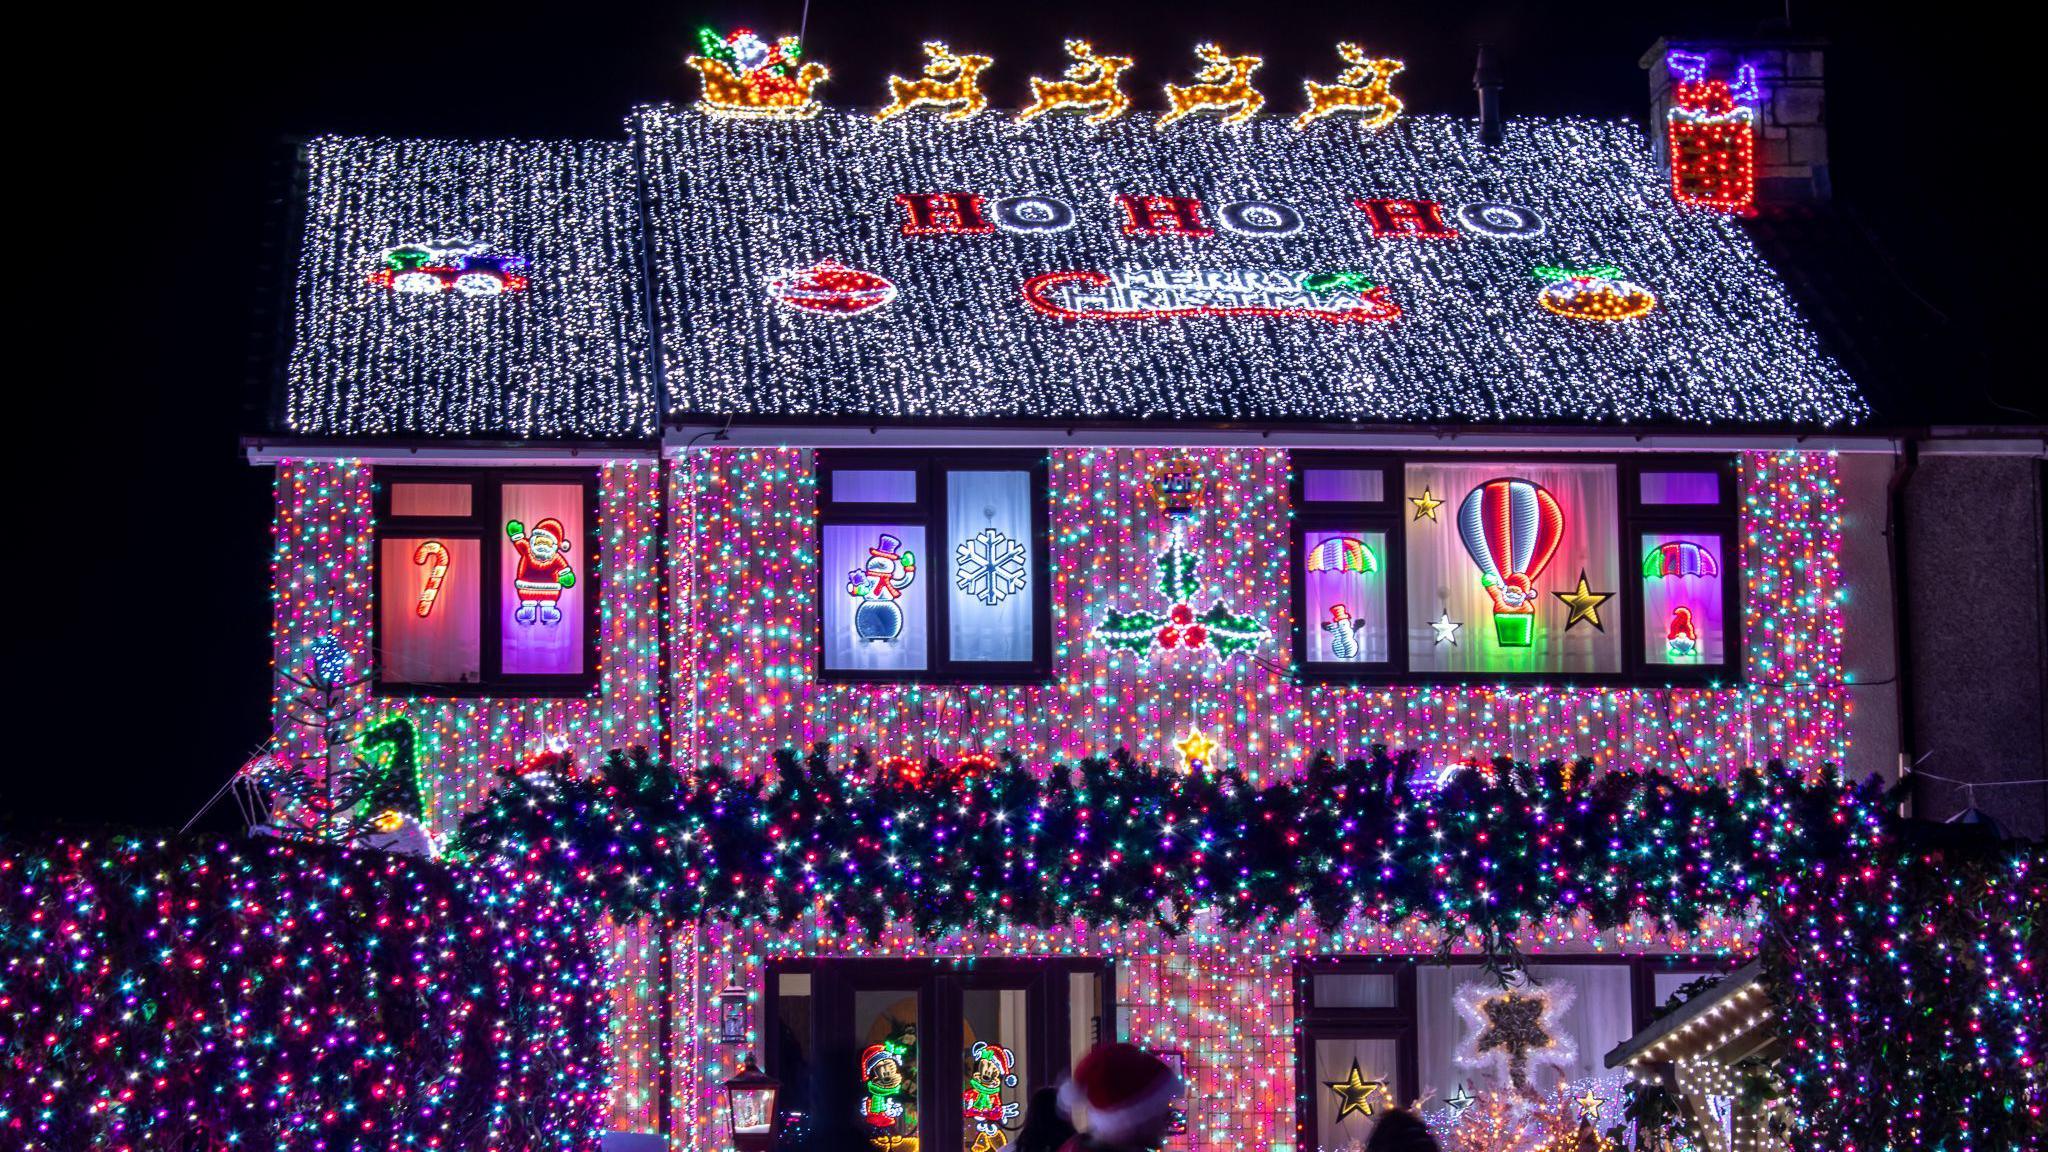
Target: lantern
x,y
735,1015
1177,485
750,1108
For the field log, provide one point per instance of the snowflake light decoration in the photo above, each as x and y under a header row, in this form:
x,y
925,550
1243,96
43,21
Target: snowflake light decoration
x,y
990,567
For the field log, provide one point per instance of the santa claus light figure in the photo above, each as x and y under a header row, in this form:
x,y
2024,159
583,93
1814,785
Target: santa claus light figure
x,y
543,571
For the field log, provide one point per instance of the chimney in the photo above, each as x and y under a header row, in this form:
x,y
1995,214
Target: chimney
x,y
1486,81
1789,102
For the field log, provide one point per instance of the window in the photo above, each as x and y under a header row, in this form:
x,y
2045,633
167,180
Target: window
x,y
1380,1031
1510,567
903,1054
486,582
933,567
1345,524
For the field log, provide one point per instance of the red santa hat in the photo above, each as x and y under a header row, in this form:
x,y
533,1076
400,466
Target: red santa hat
x,y
876,1056
997,1053
1118,1090
552,527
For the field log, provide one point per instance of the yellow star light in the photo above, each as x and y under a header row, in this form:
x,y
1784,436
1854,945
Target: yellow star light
x,y
1584,604
1425,504
1590,1104
1355,1092
1195,749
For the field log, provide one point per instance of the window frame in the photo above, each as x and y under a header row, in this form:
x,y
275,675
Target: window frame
x,y
486,502
1403,1023
928,511
1632,518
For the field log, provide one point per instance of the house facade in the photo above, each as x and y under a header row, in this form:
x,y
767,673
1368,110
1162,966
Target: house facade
x,y
1227,444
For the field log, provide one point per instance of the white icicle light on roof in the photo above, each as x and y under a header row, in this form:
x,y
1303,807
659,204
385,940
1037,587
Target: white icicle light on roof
x,y
565,356
735,204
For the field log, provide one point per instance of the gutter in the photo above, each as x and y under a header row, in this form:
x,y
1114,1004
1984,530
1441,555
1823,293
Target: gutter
x,y
1908,461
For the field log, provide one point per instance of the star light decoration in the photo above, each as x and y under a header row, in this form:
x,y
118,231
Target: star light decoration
x,y
1445,629
1426,505
1508,1030
1355,1092
1583,604
1196,750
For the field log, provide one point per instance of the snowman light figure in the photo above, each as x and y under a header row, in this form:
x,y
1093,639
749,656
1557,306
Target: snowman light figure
x,y
879,585
990,1070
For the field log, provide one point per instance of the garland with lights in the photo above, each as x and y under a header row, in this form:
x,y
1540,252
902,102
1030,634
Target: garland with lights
x,y
986,844
270,993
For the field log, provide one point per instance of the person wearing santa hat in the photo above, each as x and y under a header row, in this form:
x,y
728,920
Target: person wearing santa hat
x,y
543,571
1120,1098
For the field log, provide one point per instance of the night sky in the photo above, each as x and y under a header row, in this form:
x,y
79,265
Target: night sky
x,y
145,591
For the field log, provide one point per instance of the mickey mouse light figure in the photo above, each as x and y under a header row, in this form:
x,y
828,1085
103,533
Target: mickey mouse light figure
x,y
990,1069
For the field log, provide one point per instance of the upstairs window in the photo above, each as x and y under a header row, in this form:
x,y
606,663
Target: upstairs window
x,y
486,582
932,567
1445,568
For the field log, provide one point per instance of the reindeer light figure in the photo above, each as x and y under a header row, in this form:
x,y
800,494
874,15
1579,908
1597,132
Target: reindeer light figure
x,y
1092,82
948,80
1362,88
1225,86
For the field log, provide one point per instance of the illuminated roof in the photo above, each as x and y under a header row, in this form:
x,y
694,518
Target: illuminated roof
x,y
1391,329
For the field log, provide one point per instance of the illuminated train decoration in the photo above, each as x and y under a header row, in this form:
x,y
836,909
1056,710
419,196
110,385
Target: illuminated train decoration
x,y
464,267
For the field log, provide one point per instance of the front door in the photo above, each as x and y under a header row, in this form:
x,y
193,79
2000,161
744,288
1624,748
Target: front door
x,y
925,1055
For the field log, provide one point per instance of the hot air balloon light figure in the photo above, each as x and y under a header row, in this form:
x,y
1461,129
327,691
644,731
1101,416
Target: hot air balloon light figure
x,y
1511,528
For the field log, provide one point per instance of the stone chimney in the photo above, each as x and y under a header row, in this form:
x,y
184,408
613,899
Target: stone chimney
x,y
1792,125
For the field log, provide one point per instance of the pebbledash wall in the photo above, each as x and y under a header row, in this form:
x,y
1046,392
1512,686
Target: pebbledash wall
x,y
731,532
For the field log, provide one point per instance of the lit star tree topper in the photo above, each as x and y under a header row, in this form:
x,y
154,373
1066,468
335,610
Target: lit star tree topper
x,y
1509,1029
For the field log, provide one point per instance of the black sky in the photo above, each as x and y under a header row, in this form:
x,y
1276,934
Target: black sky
x,y
144,583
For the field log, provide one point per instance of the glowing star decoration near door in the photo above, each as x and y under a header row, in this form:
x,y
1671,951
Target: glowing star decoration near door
x,y
1710,132
464,267
990,567
1508,1030
1361,89
1161,294
829,288
1355,1092
433,555
879,585
949,81
1596,293
1092,85
991,1068
542,573
1180,628
1224,84
1583,604
1511,528
746,76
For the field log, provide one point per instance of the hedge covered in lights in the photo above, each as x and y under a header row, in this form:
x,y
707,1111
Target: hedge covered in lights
x,y
264,994
984,845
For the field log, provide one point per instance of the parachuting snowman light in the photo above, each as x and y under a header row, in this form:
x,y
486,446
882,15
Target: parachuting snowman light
x,y
1511,528
879,585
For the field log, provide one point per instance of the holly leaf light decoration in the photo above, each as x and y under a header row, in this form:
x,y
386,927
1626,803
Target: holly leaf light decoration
x,y
1220,629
